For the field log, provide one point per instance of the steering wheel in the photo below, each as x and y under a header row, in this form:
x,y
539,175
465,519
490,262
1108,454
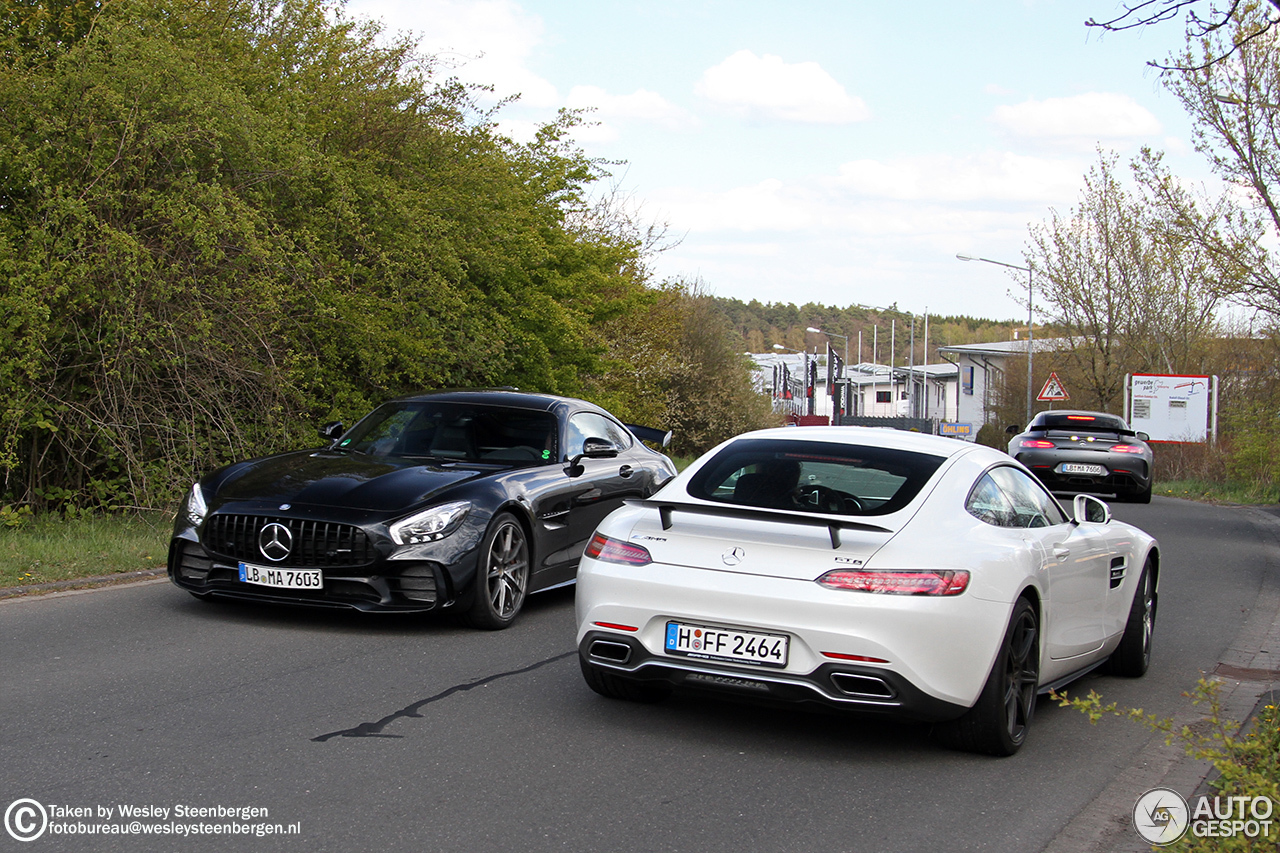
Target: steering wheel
x,y
828,500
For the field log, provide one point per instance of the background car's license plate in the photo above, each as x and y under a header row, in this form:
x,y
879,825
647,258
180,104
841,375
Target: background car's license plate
x,y
287,578
1081,468
726,644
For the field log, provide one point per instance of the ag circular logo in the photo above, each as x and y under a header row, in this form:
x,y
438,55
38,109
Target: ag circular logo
x,y
26,820
1161,816
275,542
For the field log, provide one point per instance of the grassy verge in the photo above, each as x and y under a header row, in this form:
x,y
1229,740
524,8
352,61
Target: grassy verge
x,y
50,548
1227,493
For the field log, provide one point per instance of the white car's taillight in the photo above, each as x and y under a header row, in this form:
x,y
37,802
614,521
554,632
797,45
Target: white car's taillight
x,y
616,551
945,582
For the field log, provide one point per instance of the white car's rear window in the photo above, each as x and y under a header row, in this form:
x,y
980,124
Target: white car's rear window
x,y
826,477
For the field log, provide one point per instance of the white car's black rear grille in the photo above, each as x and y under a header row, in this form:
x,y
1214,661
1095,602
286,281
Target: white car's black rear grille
x,y
311,543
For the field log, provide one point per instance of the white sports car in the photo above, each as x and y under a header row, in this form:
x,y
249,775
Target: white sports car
x,y
870,570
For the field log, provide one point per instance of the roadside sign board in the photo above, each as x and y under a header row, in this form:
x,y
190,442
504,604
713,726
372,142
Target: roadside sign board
x,y
948,428
1170,408
1053,390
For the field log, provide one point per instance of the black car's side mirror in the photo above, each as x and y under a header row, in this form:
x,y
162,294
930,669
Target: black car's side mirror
x,y
331,430
592,448
1012,429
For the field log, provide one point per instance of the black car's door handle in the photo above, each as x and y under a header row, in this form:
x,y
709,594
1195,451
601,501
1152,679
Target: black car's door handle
x,y
624,471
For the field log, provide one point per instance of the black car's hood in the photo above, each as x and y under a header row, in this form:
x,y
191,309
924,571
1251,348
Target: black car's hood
x,y
342,479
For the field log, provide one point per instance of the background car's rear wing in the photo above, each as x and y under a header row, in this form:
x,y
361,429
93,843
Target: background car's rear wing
x,y
667,509
657,436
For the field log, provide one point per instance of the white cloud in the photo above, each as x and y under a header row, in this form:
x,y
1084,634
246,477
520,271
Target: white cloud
x,y
488,42
606,109
766,87
991,176
1080,120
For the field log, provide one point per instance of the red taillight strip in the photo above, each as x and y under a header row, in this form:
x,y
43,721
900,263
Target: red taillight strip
x,y
1126,448
616,627
944,582
610,550
859,658
1038,443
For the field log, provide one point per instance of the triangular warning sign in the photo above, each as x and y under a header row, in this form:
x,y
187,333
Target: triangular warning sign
x,y
1053,390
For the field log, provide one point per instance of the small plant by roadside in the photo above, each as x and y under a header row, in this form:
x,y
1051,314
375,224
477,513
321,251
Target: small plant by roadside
x,y
1246,758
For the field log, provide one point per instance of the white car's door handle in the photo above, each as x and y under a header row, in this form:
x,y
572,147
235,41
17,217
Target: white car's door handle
x,y
1061,551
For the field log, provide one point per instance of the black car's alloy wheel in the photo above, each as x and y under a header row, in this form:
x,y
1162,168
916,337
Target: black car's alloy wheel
x,y
502,577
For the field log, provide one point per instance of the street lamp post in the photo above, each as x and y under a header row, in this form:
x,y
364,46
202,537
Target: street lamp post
x,y
1030,334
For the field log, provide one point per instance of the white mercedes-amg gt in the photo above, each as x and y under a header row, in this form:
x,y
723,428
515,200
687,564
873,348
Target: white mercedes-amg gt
x,y
870,570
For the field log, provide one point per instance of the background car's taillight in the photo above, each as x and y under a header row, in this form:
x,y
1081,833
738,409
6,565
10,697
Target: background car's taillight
x,y
615,551
1126,448
945,582
1037,444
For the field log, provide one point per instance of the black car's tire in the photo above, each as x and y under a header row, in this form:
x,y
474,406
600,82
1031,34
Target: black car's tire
x,y
1132,657
998,722
617,687
1143,497
502,575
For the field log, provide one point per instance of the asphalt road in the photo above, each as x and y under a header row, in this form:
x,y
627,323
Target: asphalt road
x,y
394,733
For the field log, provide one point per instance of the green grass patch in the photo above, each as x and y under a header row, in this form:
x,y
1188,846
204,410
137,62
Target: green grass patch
x,y
51,548
1226,493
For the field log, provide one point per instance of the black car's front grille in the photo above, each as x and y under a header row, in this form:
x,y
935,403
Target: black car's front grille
x,y
312,543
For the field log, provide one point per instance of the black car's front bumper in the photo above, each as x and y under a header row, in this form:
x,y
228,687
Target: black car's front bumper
x,y
386,585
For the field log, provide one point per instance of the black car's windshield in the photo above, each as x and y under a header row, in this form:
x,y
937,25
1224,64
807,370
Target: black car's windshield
x,y
826,477
455,431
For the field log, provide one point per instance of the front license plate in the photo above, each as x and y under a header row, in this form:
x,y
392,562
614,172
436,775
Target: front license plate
x,y
1082,468
701,641
285,578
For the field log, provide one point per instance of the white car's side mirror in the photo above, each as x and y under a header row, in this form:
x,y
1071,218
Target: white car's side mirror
x,y
1089,509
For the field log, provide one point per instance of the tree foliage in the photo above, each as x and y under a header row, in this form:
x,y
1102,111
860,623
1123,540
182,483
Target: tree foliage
x,y
222,220
1130,292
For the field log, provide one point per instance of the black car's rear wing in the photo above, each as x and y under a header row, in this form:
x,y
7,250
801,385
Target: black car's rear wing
x,y
667,509
657,436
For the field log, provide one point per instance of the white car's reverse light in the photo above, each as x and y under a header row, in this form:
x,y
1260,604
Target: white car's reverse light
x,y
947,582
614,551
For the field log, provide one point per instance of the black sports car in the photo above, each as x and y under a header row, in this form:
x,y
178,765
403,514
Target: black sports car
x,y
1090,452
467,500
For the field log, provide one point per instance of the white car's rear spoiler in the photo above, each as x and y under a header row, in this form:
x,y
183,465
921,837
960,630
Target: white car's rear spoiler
x,y
667,509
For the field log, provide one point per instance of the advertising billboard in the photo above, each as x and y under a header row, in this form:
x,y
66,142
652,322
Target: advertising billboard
x,y
1170,408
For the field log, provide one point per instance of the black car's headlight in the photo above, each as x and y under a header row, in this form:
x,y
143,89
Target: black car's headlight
x,y
431,524
194,508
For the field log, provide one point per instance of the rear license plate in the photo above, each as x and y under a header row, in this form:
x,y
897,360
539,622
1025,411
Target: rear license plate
x,y
1081,468
285,578
701,641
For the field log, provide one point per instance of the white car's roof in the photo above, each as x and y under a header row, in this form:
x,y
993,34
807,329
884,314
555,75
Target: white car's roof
x,y
869,437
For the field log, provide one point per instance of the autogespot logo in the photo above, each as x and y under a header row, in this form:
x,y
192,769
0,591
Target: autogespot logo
x,y
26,820
1161,816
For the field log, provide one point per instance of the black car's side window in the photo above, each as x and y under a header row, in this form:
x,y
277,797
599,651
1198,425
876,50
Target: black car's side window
x,y
586,425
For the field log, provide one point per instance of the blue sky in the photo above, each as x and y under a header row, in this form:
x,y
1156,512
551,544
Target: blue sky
x,y
832,152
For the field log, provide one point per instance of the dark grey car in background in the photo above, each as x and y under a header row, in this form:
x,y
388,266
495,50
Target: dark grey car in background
x,y
1086,452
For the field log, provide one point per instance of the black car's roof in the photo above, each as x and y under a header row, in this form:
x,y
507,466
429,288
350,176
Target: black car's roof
x,y
509,397
1060,418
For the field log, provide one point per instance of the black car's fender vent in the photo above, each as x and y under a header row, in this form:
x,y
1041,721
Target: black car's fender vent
x,y
314,543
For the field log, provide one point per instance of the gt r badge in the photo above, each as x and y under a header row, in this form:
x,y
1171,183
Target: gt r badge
x,y
733,556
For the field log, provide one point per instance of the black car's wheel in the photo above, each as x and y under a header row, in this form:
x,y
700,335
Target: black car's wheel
x,y
1132,657
1142,497
502,576
998,722
616,687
